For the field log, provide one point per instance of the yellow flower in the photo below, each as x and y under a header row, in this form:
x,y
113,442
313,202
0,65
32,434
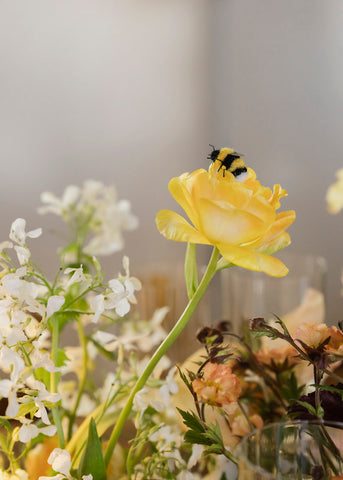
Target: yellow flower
x,y
334,196
238,218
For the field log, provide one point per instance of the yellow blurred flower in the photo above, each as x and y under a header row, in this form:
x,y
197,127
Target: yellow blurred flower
x,y
334,195
240,219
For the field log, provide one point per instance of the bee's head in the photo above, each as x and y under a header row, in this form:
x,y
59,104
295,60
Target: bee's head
x,y
214,154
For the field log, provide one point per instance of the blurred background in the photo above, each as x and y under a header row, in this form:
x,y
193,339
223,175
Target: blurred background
x,y
132,92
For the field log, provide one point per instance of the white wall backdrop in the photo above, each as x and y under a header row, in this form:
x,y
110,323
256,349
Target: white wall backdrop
x,y
110,90
277,97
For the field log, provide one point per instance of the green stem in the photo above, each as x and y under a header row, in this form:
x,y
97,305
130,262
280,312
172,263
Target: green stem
x,y
54,380
162,349
83,342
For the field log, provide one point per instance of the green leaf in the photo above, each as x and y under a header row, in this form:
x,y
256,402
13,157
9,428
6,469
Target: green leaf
x,y
6,424
308,407
92,461
192,436
191,270
329,388
191,421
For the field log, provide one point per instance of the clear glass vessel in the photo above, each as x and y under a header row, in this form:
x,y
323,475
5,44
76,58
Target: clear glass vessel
x,y
292,450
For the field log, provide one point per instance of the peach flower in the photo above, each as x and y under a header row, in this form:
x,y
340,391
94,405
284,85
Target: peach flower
x,y
278,356
218,385
313,334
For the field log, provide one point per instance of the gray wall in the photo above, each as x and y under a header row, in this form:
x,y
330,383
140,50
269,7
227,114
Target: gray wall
x,y
277,96
111,90
132,92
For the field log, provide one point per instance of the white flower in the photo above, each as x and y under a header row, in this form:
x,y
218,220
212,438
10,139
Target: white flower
x,y
19,474
170,387
42,359
77,275
60,461
97,205
8,389
55,302
18,234
143,399
59,206
43,396
197,451
11,362
28,431
97,304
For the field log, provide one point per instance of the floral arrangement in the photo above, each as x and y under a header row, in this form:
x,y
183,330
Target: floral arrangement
x,y
146,419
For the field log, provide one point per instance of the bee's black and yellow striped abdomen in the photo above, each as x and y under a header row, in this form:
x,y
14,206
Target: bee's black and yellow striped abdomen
x,y
229,160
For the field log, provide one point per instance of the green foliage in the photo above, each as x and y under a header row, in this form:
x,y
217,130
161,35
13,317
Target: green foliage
x,y
92,460
290,389
191,270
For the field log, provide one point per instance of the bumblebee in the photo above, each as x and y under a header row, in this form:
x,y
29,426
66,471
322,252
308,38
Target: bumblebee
x,y
229,160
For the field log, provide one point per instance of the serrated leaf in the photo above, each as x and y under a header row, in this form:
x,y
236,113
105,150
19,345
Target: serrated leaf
x,y
92,460
191,421
192,436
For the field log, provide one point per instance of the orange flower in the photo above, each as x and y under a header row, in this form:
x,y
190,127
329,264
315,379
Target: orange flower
x,y
336,341
240,219
281,357
313,334
218,385
36,463
240,426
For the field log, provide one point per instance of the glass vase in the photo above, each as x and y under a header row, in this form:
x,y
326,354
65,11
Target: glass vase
x,y
300,294
292,450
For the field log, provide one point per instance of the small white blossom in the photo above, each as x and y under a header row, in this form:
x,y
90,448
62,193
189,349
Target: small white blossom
x,y
11,362
8,389
18,234
19,474
55,302
197,451
28,431
143,399
60,461
77,275
59,206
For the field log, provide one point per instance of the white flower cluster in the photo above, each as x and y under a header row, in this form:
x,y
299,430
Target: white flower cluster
x,y
23,338
97,206
27,304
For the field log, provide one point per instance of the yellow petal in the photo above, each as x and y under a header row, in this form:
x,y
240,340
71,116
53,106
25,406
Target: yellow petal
x,y
282,222
180,188
223,223
251,260
174,227
275,244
